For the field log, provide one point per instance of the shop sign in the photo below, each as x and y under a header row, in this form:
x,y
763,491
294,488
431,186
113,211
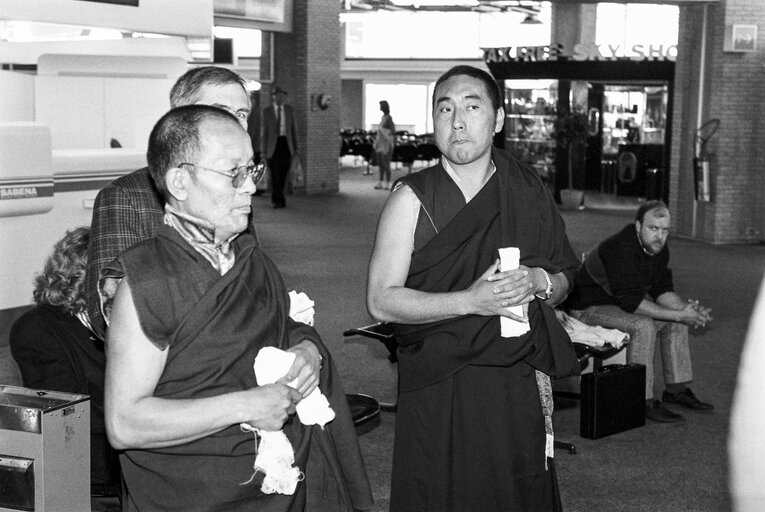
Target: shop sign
x,y
581,52
584,51
18,192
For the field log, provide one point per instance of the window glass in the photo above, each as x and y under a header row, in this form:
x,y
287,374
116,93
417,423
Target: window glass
x,y
439,35
409,106
649,26
247,42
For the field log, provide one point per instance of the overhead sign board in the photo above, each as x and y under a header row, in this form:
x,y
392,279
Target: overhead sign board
x,y
266,15
134,3
580,52
663,2
192,18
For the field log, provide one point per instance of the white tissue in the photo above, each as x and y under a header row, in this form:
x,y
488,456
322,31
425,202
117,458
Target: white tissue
x,y
301,308
271,364
510,259
275,456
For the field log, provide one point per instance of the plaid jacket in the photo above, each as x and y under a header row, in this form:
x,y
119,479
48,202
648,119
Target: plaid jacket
x,y
126,211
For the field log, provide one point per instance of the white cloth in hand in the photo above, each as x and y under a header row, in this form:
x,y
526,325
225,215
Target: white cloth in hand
x,y
301,308
271,364
275,456
509,259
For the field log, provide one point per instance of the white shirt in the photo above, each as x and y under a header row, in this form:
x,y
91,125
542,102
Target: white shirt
x,y
282,128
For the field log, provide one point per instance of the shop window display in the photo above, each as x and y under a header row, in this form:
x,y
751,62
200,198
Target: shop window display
x,y
530,124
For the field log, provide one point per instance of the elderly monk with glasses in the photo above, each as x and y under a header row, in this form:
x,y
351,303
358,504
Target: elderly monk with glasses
x,y
196,305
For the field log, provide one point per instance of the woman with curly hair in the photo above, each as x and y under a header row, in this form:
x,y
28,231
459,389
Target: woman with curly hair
x,y
56,350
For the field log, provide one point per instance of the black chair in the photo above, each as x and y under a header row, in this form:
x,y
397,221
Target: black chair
x,y
406,154
428,151
365,151
363,408
381,332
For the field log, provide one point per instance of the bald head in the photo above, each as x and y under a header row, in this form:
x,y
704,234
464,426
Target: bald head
x,y
179,137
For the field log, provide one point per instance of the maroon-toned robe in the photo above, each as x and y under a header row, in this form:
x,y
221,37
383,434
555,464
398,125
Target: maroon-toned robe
x,y
213,327
470,429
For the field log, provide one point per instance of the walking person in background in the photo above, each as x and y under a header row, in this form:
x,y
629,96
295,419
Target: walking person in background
x,y
384,143
278,143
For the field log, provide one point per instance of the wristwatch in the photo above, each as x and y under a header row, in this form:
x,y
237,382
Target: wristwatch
x,y
549,289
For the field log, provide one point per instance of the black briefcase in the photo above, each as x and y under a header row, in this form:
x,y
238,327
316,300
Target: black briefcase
x,y
612,400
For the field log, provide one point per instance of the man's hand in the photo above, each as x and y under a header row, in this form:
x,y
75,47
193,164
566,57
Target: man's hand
x,y
269,406
493,292
305,369
695,315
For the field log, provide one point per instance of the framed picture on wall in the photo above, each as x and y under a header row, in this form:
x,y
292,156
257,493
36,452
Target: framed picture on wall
x,y
743,38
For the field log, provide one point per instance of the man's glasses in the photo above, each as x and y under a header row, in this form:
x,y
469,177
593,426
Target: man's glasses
x,y
239,174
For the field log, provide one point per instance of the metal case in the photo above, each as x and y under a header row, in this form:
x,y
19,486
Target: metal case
x,y
44,450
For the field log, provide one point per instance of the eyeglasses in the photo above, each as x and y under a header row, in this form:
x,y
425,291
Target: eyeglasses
x,y
239,174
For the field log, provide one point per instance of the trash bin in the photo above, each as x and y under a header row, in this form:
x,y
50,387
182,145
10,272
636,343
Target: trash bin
x,y
653,183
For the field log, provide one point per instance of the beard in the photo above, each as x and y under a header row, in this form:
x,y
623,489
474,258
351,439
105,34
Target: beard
x,y
653,248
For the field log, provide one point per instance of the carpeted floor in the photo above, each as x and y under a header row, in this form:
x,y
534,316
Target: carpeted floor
x,y
322,246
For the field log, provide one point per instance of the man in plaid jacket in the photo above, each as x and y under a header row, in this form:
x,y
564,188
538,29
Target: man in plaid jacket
x,y
130,209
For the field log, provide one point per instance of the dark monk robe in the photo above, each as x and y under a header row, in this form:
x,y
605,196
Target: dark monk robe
x,y
470,430
213,326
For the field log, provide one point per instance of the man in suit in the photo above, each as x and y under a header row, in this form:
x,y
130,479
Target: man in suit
x,y
278,142
130,209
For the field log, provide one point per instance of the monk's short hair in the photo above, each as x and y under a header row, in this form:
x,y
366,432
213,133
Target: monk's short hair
x,y
176,139
188,88
650,206
495,95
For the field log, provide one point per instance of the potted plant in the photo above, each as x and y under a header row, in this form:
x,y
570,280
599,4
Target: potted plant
x,y
571,130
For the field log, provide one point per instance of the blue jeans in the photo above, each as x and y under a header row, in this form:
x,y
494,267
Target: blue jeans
x,y
644,331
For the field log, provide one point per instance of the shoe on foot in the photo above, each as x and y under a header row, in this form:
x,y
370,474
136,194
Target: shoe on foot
x,y
379,186
686,398
656,411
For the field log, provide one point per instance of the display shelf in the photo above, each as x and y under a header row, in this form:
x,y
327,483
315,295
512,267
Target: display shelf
x,y
530,126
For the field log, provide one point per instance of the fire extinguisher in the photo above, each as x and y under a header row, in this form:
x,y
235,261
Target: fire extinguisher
x,y
701,176
701,172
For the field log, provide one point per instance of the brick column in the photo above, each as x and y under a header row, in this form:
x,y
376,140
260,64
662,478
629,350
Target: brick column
x,y
732,93
307,64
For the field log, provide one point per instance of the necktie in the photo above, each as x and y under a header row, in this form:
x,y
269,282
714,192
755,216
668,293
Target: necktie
x,y
279,119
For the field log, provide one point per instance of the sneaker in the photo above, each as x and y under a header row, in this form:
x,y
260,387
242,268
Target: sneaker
x,y
379,186
655,411
686,398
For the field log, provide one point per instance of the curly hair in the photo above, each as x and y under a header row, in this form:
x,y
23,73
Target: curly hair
x,y
61,281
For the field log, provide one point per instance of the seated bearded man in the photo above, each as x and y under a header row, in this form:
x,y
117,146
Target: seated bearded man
x,y
197,303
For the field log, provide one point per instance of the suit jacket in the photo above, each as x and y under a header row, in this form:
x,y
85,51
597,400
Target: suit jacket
x,y
269,132
126,211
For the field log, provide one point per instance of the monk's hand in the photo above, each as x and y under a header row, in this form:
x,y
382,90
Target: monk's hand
x,y
269,406
514,287
305,369
494,291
